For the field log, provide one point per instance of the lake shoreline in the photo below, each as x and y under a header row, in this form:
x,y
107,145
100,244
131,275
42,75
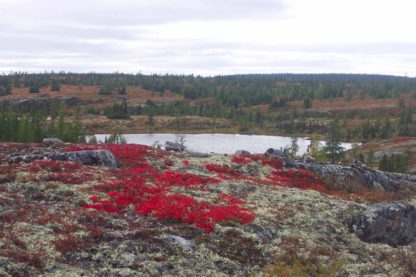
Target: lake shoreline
x,y
221,143
228,132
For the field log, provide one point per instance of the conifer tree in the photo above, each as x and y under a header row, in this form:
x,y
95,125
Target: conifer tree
x,y
294,147
122,90
333,148
61,128
150,122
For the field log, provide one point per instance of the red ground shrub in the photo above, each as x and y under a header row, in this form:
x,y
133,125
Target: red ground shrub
x,y
241,159
148,191
171,178
300,179
54,166
127,155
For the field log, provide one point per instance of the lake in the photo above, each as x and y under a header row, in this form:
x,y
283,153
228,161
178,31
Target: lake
x,y
221,143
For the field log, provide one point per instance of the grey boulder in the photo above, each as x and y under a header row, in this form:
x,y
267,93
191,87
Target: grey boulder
x,y
275,153
391,223
52,141
309,159
174,146
185,244
93,157
242,153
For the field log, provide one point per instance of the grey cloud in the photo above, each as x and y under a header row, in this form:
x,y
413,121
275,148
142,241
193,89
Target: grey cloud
x,y
205,65
108,36
137,12
203,57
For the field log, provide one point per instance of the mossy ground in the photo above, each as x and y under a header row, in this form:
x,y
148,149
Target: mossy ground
x,y
45,229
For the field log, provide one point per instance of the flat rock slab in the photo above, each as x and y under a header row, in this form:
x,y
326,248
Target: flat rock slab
x,y
356,178
391,223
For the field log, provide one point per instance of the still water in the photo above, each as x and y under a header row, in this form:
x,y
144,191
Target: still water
x,y
220,143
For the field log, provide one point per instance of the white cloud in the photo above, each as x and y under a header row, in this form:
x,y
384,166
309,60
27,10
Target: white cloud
x,y
209,37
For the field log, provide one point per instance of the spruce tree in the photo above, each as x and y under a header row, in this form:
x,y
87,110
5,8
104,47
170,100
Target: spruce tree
x,y
55,86
150,122
61,129
122,90
294,147
333,148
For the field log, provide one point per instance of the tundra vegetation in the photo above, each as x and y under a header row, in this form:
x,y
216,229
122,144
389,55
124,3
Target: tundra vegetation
x,y
334,107
182,213
165,213
366,106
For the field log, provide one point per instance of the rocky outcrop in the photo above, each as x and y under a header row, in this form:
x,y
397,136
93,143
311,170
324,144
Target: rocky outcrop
x,y
174,146
86,157
35,155
393,223
356,178
92,157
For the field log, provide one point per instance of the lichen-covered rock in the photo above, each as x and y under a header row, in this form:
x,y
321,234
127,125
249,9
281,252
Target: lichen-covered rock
x,y
393,223
35,156
52,141
242,153
309,159
92,157
180,241
275,153
174,146
358,178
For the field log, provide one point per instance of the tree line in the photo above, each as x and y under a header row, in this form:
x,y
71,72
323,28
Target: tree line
x,y
230,91
35,126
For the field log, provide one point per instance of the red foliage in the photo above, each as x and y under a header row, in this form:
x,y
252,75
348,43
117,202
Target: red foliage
x,y
172,178
7,169
189,210
272,162
168,163
127,155
230,199
104,205
300,179
224,171
246,159
186,163
149,191
54,166
94,198
241,159
155,199
73,148
60,171
68,178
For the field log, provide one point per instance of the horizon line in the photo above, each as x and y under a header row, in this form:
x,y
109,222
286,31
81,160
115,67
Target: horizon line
x,y
11,72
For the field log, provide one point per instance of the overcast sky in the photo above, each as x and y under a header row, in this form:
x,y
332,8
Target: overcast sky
x,y
209,37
